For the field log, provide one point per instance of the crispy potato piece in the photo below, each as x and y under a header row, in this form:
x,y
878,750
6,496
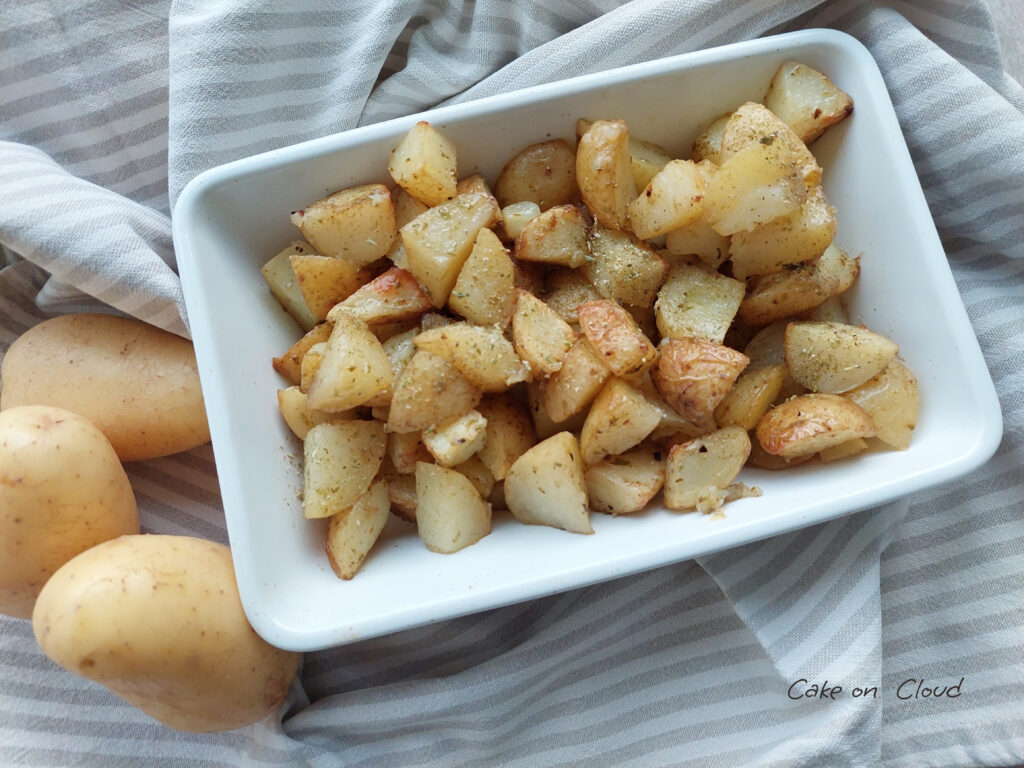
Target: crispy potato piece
x,y
806,100
604,172
615,336
892,401
697,302
750,397
439,241
509,433
481,353
753,123
624,268
620,418
479,475
809,424
700,470
545,486
456,440
450,514
429,391
351,534
355,368
845,450
758,183
694,375
484,292
311,362
298,416
672,199
708,144
645,158
324,280
801,236
388,298
404,449
835,357
566,290
341,460
557,236
797,290
570,390
284,285
541,337
289,364
356,224
424,164
623,484
543,173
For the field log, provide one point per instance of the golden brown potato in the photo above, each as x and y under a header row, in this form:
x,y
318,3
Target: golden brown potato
x,y
545,486
289,364
700,470
694,375
456,440
324,280
697,302
835,357
753,123
352,533
806,99
892,401
541,337
429,391
341,460
450,514
481,353
797,290
615,336
424,164
751,397
356,224
354,370
604,172
543,173
624,268
284,285
708,144
645,158
557,236
484,292
509,433
623,484
672,199
620,418
566,289
812,423
569,390
390,297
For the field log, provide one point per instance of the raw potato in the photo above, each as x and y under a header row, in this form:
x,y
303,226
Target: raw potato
x,y
481,353
806,99
484,292
546,487
620,418
694,375
354,370
62,491
356,224
450,515
543,173
352,533
557,236
289,364
425,165
671,200
341,460
623,484
509,433
158,621
139,385
429,391
892,401
624,269
541,337
835,357
812,423
324,280
615,336
699,471
604,172
388,298
284,285
697,302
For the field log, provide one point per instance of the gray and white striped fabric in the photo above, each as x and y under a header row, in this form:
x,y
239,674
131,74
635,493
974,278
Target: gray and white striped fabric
x,y
108,108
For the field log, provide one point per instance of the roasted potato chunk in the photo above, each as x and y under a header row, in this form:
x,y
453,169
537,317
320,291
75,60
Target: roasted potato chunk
x,y
429,391
697,302
806,100
405,449
615,336
645,158
508,433
516,216
481,353
708,144
557,236
341,460
543,173
892,401
450,515
284,285
390,297
351,534
620,418
566,289
672,199
694,375
809,424
356,224
604,172
484,292
750,397
456,440
299,417
324,280
624,268
424,164
699,471
623,484
753,123
835,357
545,486
354,370
289,364
541,337
571,389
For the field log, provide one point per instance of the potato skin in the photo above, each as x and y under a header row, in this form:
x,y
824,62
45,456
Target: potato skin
x,y
62,491
138,384
812,423
158,620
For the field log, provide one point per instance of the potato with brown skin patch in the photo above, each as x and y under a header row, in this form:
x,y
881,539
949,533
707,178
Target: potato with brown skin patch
x,y
615,336
806,99
356,224
812,423
604,172
390,297
557,236
694,375
425,165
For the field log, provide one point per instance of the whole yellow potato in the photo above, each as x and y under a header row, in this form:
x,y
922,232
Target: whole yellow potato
x,y
158,621
137,383
62,490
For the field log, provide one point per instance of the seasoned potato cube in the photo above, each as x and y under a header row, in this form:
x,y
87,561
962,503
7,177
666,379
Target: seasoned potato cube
x,y
284,285
623,484
355,368
477,185
809,424
700,470
797,290
508,433
620,418
390,297
557,236
694,375
708,144
566,290
356,224
481,353
672,426
615,336
438,242
516,216
801,236
297,415
844,450
807,100
835,357
543,173
404,449
310,365
352,533
604,172
454,441
400,348
756,184
450,514
484,292
624,269
429,391
324,280
753,123
697,302
892,401
672,199
545,486
541,337
570,390
341,460
424,164
645,158
751,397
479,475
289,364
